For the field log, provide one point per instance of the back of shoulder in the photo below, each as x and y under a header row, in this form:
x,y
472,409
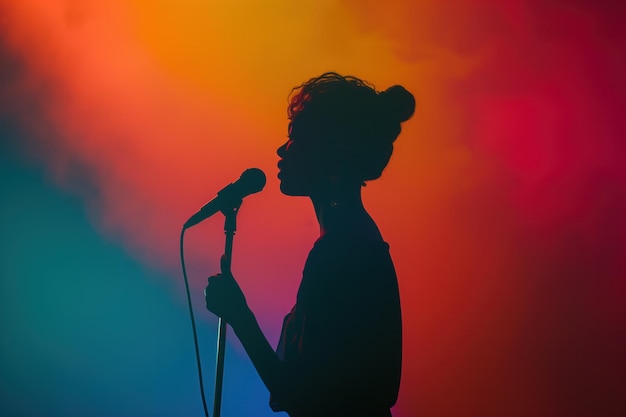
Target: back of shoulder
x,y
353,256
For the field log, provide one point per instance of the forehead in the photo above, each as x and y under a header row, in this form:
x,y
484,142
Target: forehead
x,y
298,128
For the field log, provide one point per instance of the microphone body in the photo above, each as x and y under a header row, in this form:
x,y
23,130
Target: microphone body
x,y
251,181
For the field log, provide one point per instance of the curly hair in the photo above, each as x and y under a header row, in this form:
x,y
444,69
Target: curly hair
x,y
356,123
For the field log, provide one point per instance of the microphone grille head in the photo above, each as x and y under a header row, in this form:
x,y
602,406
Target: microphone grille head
x,y
254,180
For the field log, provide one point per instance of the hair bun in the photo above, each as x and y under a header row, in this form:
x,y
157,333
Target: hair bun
x,y
398,102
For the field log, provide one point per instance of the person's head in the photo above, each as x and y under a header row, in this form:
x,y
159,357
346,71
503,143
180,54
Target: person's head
x,y
341,129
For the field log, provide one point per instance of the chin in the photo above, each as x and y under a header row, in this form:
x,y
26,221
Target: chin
x,y
293,190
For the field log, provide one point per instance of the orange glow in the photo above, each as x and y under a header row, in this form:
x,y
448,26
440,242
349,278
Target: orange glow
x,y
503,185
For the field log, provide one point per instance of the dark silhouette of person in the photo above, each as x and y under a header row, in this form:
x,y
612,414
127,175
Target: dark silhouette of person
x,y
340,351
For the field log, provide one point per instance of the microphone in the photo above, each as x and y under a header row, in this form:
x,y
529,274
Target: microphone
x,y
251,181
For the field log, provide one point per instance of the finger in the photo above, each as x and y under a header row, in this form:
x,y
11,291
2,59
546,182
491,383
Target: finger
x,y
225,264
209,289
214,277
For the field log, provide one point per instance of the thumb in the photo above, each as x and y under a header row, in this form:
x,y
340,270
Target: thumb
x,y
225,264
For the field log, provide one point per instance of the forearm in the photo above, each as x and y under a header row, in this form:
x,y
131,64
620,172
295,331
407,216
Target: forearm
x,y
269,367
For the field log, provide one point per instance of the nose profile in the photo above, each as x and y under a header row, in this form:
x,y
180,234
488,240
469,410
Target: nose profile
x,y
281,151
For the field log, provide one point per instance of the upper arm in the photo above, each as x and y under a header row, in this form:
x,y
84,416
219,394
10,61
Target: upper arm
x,y
351,345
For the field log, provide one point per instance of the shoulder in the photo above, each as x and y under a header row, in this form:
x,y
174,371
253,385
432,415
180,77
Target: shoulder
x,y
342,249
348,260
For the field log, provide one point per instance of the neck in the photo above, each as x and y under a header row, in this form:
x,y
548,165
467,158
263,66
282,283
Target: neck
x,y
339,209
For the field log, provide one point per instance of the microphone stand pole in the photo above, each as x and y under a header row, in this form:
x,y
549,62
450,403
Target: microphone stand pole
x,y
230,226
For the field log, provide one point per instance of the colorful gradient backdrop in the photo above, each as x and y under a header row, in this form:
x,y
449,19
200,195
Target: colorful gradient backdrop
x,y
504,202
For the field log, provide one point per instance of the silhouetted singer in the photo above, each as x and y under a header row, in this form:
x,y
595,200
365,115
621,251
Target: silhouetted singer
x,y
340,351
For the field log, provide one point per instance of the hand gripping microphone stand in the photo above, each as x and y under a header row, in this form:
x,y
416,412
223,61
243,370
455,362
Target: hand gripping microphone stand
x,y
230,226
227,202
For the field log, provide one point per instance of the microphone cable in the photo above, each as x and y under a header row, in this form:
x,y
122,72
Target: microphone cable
x,y
193,323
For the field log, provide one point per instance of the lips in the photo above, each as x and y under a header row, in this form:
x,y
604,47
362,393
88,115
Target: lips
x,y
281,165
280,168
